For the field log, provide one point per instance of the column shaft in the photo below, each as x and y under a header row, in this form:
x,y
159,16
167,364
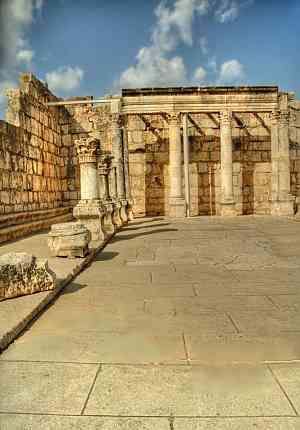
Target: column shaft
x,y
186,156
88,181
177,202
117,151
227,198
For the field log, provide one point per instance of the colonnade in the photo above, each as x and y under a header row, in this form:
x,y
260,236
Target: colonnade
x,y
105,203
281,199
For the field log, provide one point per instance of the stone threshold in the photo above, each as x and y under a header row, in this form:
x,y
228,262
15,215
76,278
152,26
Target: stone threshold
x,y
38,306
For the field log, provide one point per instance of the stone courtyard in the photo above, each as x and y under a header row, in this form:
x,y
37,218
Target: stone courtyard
x,y
166,291
176,325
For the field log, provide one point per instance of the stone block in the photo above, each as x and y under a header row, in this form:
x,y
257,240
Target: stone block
x,y
69,240
22,274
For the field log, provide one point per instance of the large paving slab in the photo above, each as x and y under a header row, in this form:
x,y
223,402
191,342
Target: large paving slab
x,y
260,423
95,347
48,422
31,387
187,390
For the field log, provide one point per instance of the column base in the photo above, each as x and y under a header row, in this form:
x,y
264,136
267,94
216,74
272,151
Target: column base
x,y
129,210
283,207
228,208
177,208
108,225
123,211
116,217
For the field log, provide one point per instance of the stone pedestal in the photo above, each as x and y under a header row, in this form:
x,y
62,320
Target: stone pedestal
x,y
91,214
227,199
123,211
116,215
177,207
282,202
69,240
109,226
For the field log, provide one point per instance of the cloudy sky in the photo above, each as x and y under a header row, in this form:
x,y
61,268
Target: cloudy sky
x,y
96,47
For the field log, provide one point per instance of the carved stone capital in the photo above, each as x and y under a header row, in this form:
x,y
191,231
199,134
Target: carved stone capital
x,y
225,118
87,149
174,119
284,118
104,164
280,118
274,117
117,120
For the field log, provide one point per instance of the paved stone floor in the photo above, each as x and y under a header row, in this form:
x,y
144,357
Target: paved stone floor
x,y
186,325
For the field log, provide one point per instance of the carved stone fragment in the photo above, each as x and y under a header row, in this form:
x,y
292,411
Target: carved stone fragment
x,y
69,240
22,274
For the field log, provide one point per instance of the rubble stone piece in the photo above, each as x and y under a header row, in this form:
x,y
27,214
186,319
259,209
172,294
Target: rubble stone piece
x,y
69,240
22,274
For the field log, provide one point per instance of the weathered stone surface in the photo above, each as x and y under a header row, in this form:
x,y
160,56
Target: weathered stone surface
x,y
22,274
69,240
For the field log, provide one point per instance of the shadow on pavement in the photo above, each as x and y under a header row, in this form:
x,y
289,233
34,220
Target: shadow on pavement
x,y
128,228
133,236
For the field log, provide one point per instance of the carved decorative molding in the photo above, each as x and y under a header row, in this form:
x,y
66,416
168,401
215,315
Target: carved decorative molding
x,y
87,149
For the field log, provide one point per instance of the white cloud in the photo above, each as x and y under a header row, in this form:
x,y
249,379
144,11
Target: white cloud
x,y
200,74
231,72
16,16
64,78
25,56
203,45
227,11
174,25
153,69
4,86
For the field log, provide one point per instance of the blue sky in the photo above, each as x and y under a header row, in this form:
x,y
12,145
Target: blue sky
x,y
96,47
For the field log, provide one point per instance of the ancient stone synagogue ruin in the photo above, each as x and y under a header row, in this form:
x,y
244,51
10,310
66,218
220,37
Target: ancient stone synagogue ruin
x,y
149,152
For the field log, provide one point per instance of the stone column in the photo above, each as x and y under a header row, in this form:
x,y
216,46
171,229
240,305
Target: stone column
x,y
89,209
126,175
176,199
116,203
117,152
227,199
104,163
186,157
282,202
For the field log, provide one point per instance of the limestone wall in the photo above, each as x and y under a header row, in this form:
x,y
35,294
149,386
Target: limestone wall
x,y
33,157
